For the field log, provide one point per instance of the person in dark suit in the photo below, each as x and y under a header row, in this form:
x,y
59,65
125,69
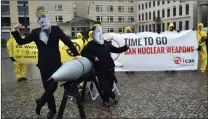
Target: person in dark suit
x,y
98,52
47,40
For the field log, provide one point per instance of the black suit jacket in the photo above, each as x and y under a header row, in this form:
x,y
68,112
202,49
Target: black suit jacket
x,y
48,54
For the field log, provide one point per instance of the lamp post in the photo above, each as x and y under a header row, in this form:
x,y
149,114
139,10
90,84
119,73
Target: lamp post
x,y
134,26
26,32
158,23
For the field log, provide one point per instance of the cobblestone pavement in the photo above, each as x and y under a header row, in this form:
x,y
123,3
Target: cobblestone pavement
x,y
143,95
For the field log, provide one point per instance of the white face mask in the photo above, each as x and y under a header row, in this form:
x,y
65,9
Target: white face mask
x,y
44,22
98,35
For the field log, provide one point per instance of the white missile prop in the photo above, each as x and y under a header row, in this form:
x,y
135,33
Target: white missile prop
x,y
72,70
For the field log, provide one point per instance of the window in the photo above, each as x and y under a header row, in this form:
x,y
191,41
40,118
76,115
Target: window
x,y
142,17
110,29
59,18
110,8
22,20
168,1
130,1
120,18
168,25
120,30
153,25
139,17
149,4
174,24
5,21
120,0
58,7
22,2
163,13
5,10
120,8
99,18
149,15
180,25
146,5
187,25
168,12
5,2
153,14
142,28
153,3
150,29
99,8
174,11
146,27
21,10
131,18
146,15
163,27
130,8
142,6
174,1
139,28
158,13
187,9
158,3
139,7
180,10
110,18
5,35
163,2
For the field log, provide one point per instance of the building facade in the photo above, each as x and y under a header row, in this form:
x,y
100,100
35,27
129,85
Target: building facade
x,y
157,15
60,12
114,15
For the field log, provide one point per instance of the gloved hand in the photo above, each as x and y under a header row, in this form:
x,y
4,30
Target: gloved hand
x,y
199,48
12,58
203,39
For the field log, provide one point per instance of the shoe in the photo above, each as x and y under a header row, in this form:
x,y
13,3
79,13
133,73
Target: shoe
x,y
51,114
38,107
115,101
23,78
202,71
106,104
19,79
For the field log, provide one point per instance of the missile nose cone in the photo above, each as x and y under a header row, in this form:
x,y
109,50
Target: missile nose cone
x,y
50,79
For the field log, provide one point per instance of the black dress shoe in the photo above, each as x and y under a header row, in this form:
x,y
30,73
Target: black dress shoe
x,y
19,79
38,108
51,114
115,101
23,78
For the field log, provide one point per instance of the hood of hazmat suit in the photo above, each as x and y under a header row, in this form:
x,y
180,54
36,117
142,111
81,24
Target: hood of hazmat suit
x,y
171,27
128,30
79,36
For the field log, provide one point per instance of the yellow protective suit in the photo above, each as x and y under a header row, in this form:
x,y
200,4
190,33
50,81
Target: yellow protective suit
x,y
90,36
203,52
20,69
169,27
128,30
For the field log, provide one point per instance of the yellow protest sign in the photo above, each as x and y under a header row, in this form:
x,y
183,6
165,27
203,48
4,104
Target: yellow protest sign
x,y
28,53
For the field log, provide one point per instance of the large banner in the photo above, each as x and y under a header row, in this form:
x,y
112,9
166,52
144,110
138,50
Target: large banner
x,y
148,51
156,52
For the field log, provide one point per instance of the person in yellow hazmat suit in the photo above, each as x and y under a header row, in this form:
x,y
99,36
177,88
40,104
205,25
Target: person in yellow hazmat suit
x,y
201,36
90,36
128,30
79,36
20,68
171,27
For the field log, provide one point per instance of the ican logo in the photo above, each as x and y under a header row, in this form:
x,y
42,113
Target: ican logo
x,y
183,61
